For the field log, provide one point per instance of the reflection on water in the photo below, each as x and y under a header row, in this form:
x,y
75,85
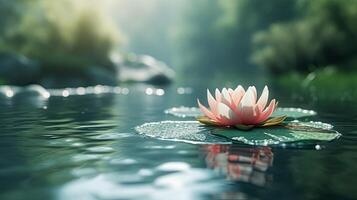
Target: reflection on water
x,y
240,164
184,184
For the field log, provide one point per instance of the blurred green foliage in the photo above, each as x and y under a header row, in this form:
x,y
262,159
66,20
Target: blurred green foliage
x,y
278,35
241,19
64,36
324,34
327,85
10,12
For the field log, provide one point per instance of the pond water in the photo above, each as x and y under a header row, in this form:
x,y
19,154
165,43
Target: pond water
x,y
85,147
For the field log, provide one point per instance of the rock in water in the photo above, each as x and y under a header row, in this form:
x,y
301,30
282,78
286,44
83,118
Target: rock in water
x,y
142,68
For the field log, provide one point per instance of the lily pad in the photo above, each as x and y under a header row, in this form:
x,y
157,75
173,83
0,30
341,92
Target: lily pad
x,y
288,133
195,133
293,113
185,131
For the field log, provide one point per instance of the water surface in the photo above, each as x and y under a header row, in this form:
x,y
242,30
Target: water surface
x,y
85,147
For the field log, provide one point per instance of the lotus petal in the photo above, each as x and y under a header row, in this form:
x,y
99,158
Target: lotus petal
x,y
268,111
205,111
247,100
254,90
225,111
264,97
207,121
273,121
212,103
239,107
226,98
218,95
237,95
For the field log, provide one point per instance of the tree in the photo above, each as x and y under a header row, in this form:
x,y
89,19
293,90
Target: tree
x,y
321,37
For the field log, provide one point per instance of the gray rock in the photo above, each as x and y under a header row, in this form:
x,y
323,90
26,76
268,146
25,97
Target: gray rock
x,y
16,69
142,68
99,75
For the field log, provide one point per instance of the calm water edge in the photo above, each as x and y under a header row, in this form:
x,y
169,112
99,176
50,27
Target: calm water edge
x,y
85,147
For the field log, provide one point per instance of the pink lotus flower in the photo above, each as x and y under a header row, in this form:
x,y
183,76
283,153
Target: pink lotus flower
x,y
239,108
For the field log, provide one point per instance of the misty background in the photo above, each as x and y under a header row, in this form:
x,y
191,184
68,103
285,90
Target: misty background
x,y
295,44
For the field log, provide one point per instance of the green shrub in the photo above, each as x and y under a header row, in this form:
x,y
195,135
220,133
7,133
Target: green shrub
x,y
323,36
63,35
326,85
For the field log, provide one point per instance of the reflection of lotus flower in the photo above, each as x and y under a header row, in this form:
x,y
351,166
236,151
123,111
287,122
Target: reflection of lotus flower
x,y
239,108
240,164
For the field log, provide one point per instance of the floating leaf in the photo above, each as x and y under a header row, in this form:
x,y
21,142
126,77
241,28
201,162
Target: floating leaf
x,y
184,131
194,132
293,112
288,133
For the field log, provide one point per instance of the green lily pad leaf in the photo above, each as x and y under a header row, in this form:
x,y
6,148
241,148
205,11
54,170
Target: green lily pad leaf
x,y
184,131
293,112
288,133
183,111
303,133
